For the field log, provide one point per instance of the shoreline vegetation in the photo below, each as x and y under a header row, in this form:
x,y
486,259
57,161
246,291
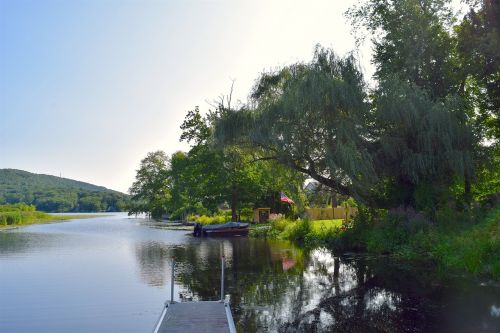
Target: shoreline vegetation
x,y
18,215
53,194
470,245
418,151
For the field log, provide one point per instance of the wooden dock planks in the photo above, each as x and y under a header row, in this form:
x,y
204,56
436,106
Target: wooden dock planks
x,y
190,317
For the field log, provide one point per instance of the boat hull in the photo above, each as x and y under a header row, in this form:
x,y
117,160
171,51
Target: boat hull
x,y
231,229
236,232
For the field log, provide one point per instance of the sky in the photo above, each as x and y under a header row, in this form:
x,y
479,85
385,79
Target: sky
x,y
89,87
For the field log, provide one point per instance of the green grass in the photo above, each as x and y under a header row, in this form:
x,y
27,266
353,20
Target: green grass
x,y
311,233
319,227
460,243
19,215
475,250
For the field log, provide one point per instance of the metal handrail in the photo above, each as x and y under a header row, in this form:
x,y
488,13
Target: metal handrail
x,y
222,297
172,280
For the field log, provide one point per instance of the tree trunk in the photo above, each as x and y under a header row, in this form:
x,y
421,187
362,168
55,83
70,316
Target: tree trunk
x,y
234,203
467,190
336,270
334,199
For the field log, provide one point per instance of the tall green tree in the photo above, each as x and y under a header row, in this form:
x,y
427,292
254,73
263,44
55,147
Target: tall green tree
x,y
312,117
405,146
411,41
151,189
425,120
478,49
423,146
229,174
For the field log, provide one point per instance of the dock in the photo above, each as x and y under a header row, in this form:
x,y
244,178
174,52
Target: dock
x,y
193,317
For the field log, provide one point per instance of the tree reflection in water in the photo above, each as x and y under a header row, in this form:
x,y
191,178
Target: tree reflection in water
x,y
153,258
277,287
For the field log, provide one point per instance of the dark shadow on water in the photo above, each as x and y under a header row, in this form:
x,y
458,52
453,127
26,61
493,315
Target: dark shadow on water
x,y
277,287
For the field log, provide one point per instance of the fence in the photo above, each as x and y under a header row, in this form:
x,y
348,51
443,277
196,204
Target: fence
x,y
331,213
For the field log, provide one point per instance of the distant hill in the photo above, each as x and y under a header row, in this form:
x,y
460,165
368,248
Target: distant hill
x,y
56,194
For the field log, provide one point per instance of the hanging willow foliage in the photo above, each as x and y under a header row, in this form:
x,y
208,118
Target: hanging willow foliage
x,y
313,118
317,118
421,141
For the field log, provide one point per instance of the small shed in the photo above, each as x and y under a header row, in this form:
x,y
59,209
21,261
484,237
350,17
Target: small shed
x,y
261,215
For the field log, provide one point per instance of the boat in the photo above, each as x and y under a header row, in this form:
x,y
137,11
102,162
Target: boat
x,y
225,229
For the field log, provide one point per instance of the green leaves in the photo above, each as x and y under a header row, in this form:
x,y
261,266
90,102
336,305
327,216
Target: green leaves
x,y
150,191
56,194
311,117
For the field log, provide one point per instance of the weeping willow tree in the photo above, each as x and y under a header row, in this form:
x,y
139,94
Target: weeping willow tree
x,y
423,145
313,117
398,146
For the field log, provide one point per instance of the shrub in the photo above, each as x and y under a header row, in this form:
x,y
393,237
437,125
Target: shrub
x,y
280,224
297,231
474,250
246,214
9,218
19,207
204,219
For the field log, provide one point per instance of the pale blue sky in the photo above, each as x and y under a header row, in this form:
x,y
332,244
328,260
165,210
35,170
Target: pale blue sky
x,y
87,88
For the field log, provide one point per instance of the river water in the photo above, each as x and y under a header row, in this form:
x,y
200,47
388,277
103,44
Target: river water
x,y
112,274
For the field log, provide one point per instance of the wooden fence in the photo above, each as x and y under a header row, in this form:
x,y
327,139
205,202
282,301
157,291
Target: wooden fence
x,y
331,213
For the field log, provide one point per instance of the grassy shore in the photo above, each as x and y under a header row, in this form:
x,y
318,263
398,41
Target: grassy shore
x,y
314,233
12,216
456,242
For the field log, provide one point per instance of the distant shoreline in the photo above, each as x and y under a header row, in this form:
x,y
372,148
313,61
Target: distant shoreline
x,y
48,219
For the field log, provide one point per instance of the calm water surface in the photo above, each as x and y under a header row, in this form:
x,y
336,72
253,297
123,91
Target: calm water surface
x,y
112,274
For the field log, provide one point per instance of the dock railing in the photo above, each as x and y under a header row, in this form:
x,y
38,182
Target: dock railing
x,y
172,280
172,277
222,296
216,315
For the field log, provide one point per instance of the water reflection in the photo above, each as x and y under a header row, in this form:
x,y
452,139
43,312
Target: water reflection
x,y
16,243
152,259
113,274
276,287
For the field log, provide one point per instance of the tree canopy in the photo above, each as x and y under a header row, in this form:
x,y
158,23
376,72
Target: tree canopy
x,y
411,138
207,177
423,135
57,194
312,117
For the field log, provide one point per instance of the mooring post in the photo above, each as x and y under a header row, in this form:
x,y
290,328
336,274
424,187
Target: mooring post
x,y
222,280
172,282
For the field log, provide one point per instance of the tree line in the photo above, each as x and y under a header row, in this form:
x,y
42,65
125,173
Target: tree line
x,y
208,177
56,194
425,135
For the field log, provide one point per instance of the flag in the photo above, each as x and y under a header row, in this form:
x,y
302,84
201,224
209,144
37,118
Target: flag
x,y
284,198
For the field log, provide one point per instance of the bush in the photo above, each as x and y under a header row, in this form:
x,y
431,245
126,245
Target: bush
x,y
474,250
297,231
19,207
355,233
204,219
9,218
245,214
280,224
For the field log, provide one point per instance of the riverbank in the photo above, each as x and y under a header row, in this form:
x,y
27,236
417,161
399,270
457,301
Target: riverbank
x,y
41,219
107,261
456,242
18,215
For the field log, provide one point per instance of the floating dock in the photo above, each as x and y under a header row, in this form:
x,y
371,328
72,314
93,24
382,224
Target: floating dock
x,y
191,317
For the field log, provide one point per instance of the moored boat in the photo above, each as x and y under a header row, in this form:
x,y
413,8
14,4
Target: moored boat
x,y
225,229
